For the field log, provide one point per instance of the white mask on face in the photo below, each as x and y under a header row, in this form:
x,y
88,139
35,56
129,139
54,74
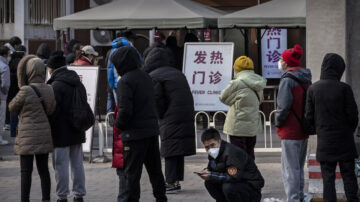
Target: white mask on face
x,y
279,65
214,152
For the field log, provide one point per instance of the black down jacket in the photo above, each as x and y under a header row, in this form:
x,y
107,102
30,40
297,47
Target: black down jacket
x,y
232,157
174,105
331,108
136,103
64,134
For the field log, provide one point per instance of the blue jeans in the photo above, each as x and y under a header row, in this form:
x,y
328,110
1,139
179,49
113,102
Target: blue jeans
x,y
14,120
293,157
110,105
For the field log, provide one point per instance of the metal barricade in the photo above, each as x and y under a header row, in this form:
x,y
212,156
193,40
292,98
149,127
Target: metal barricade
x,y
195,122
107,119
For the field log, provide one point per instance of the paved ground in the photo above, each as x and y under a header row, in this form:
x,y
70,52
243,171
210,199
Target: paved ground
x,y
102,182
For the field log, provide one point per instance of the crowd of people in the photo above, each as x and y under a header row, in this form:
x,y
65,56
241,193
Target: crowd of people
x,y
151,97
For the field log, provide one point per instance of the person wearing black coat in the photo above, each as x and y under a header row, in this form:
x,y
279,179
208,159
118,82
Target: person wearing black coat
x,y
43,52
66,139
332,110
231,174
14,87
175,111
138,125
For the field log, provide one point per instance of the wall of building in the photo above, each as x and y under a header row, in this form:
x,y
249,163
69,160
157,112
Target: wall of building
x,y
14,29
325,31
352,49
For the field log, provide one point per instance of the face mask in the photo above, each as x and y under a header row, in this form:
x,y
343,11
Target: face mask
x,y
214,152
279,65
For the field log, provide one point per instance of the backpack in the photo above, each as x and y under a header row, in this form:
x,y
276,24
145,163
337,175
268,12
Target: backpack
x,y
305,125
82,117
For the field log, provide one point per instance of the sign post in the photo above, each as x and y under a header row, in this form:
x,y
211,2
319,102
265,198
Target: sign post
x,y
273,43
89,77
208,69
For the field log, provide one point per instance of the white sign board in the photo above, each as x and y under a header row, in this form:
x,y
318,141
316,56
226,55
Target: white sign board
x,y
208,69
89,77
273,43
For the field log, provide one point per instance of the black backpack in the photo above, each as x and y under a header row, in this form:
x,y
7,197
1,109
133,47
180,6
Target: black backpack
x,y
82,117
305,125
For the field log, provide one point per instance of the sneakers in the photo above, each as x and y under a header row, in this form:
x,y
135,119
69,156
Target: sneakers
x,y
2,141
173,188
6,127
78,200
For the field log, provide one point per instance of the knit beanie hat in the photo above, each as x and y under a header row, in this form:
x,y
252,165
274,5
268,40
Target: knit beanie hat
x,y
243,63
56,60
292,56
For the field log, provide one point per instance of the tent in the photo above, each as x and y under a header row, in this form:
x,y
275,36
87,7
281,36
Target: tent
x,y
142,14
275,13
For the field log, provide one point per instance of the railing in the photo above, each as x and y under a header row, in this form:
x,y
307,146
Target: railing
x,y
104,145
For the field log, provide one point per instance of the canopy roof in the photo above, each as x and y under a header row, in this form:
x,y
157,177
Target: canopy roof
x,y
142,14
275,13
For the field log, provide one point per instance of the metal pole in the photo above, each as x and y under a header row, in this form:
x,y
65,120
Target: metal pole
x,y
58,40
246,39
151,36
221,35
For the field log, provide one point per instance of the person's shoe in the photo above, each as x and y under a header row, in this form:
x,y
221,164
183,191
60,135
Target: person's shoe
x,y
80,199
62,200
172,188
2,141
7,127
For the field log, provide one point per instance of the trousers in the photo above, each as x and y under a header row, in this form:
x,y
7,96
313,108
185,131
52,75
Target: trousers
x,y
233,192
62,157
26,168
174,169
136,154
347,173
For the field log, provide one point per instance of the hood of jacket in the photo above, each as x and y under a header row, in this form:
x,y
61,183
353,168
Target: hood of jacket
x,y
251,79
125,59
31,69
302,74
67,76
333,67
156,58
43,51
119,42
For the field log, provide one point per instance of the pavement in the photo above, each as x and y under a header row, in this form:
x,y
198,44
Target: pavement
x,y
102,181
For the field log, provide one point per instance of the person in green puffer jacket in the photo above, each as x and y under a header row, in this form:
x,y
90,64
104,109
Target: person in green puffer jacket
x,y
243,95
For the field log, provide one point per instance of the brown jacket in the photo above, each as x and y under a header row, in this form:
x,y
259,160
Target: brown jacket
x,y
33,132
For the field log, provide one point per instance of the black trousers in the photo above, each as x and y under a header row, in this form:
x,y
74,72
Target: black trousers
x,y
26,168
136,154
174,169
347,170
246,143
233,192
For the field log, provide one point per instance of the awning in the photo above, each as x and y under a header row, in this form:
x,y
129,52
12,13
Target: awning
x,y
275,13
142,14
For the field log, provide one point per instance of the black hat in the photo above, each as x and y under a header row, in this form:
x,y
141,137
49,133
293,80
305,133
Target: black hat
x,y
125,59
56,60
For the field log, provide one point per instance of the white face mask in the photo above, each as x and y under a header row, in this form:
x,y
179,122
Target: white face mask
x,y
279,65
214,152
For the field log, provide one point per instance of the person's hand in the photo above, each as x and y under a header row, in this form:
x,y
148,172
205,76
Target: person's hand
x,y
205,174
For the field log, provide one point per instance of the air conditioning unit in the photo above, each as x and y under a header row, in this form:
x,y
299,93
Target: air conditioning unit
x,y
94,3
101,37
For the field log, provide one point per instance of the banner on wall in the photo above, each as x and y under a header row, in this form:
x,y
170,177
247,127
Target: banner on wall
x,y
89,77
273,43
208,69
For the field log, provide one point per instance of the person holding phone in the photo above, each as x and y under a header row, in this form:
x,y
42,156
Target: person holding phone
x,y
231,174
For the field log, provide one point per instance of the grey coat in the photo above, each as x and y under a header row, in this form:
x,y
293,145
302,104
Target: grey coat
x,y
4,78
